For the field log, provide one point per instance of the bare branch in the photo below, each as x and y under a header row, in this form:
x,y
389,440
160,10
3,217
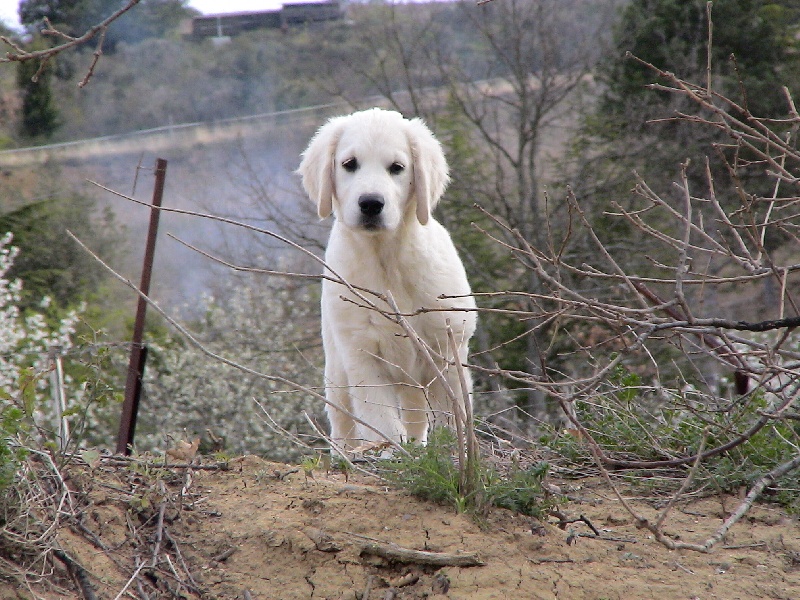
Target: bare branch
x,y
18,54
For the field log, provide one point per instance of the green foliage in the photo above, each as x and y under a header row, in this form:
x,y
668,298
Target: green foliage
x,y
633,129
429,472
35,11
309,464
50,265
40,117
520,490
13,421
148,19
673,35
633,421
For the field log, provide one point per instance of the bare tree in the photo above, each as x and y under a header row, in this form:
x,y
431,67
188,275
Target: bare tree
x,y
533,76
653,368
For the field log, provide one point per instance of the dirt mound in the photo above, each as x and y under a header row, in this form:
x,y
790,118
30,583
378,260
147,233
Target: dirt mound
x,y
261,530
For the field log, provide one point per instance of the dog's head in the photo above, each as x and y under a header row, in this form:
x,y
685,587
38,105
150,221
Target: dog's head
x,y
370,166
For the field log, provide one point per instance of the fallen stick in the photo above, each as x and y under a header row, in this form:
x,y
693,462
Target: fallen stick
x,y
78,572
397,553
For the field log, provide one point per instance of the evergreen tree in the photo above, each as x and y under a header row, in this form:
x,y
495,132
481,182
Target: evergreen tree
x,y
636,133
148,19
753,53
49,263
40,117
754,43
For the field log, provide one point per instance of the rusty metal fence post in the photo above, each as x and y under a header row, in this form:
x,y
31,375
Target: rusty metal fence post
x,y
133,386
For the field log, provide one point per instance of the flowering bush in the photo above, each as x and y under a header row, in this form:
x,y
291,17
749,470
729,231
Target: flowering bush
x,y
27,344
270,329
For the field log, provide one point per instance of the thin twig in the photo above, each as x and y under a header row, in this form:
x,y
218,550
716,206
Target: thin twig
x,y
131,580
685,485
162,506
19,54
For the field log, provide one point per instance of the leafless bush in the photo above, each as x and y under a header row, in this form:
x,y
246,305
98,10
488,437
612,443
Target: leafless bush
x,y
31,513
691,355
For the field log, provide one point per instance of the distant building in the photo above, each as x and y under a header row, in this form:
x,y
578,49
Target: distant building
x,y
221,26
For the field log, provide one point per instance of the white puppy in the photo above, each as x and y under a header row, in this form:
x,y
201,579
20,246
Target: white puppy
x,y
381,176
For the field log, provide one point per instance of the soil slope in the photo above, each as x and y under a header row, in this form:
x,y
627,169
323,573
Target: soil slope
x,y
261,531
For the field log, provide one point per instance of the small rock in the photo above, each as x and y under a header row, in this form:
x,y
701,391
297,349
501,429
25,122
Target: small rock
x,y
272,538
722,567
407,579
441,584
322,540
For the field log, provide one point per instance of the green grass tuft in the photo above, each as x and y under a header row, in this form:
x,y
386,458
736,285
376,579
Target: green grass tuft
x,y
430,472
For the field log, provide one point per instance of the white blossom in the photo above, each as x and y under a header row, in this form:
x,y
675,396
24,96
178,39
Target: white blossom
x,y
272,330
26,342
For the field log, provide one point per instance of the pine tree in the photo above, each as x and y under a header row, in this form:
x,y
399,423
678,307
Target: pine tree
x,y
40,118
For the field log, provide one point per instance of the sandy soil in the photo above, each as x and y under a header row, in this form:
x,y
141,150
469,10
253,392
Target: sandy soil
x,y
256,532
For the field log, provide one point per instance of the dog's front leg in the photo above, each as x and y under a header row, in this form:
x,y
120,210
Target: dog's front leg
x,y
374,399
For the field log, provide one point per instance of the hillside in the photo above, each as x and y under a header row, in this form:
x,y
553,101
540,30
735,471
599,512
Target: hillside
x,y
261,530
170,79
585,325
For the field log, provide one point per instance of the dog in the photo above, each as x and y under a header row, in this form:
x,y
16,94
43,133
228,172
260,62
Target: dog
x,y
381,176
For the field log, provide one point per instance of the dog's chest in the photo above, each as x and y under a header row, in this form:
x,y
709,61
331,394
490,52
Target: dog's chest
x,y
406,283
408,286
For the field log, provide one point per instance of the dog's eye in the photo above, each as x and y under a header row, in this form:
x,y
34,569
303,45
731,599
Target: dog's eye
x,y
396,168
350,165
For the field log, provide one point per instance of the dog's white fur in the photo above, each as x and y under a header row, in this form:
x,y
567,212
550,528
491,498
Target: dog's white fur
x,y
385,240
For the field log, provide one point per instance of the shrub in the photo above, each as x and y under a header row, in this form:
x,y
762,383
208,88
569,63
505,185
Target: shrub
x,y
430,472
271,330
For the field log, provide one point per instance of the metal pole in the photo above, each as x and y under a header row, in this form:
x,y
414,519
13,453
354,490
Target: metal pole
x,y
57,393
133,386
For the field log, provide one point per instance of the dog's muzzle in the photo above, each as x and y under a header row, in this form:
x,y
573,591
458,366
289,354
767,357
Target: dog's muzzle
x,y
371,206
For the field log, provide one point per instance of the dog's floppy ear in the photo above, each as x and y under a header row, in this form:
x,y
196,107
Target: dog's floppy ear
x,y
316,167
430,168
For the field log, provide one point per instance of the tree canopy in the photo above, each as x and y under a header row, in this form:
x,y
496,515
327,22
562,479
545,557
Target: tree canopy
x,y
753,42
148,19
49,264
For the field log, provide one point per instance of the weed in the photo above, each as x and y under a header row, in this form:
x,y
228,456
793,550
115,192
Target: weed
x,y
11,456
430,472
343,466
520,490
309,464
633,421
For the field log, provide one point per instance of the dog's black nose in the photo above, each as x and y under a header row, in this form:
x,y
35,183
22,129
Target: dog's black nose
x,y
371,205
